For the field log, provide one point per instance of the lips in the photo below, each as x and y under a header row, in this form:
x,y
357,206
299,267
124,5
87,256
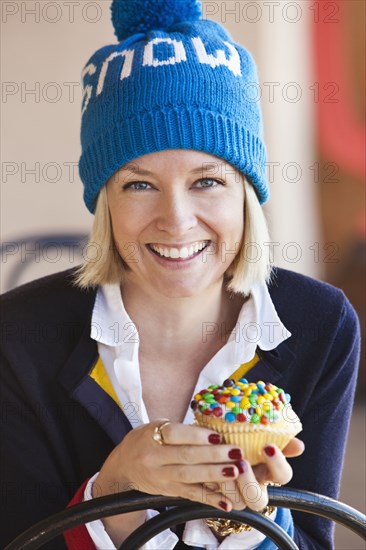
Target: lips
x,y
178,253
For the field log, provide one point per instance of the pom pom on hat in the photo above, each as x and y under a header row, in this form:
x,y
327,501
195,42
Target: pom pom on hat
x,y
141,16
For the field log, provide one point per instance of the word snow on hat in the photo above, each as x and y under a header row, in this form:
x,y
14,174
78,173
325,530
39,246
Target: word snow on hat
x,y
173,81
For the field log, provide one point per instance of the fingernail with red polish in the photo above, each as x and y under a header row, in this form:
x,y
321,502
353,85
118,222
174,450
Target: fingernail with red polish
x,y
236,454
241,466
223,505
214,439
269,450
228,471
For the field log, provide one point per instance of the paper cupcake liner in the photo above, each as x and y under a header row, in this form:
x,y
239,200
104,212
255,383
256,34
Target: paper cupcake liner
x,y
252,438
252,444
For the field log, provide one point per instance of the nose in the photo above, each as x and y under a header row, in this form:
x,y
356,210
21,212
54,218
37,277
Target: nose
x,y
176,215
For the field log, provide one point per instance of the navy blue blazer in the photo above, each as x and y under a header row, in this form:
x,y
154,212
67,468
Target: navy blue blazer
x,y
58,425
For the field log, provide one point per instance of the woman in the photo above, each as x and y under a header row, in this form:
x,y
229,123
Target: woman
x,y
100,366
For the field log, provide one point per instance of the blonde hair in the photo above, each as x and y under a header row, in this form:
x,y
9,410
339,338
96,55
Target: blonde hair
x,y
251,265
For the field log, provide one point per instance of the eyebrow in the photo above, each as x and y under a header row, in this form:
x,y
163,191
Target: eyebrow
x,y
204,168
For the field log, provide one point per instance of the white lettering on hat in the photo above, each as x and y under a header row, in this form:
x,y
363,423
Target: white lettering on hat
x,y
233,63
178,57
213,60
89,69
126,69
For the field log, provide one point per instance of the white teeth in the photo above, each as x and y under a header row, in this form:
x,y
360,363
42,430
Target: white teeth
x,y
176,253
184,252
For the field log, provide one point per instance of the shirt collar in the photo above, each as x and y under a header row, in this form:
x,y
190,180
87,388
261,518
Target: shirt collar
x,y
258,324
111,325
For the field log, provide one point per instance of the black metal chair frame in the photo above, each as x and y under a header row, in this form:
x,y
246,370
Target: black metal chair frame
x,y
180,511
39,244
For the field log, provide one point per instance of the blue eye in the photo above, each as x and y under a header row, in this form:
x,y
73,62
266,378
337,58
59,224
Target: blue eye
x,y
137,186
208,183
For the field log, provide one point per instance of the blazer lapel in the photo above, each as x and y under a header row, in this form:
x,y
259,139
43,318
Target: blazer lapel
x,y
272,364
75,378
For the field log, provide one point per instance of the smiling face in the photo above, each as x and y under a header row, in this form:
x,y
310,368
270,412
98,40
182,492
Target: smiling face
x,y
177,220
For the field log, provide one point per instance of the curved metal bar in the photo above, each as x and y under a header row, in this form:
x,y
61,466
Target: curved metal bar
x,y
44,239
38,244
121,503
130,501
320,505
172,517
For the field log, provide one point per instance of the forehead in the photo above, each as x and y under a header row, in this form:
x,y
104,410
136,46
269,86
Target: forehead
x,y
181,160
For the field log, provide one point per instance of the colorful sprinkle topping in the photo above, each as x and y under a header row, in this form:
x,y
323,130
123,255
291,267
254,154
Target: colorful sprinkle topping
x,y
242,401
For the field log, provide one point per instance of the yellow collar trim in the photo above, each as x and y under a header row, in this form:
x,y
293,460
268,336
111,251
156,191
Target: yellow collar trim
x,y
100,376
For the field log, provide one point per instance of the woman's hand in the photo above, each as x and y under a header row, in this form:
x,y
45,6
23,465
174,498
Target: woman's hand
x,y
190,458
189,463
251,484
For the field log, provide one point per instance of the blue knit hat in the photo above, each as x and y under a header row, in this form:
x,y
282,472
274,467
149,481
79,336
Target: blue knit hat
x,y
173,81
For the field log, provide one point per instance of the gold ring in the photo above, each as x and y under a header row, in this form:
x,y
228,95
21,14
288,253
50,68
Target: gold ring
x,y
271,484
158,434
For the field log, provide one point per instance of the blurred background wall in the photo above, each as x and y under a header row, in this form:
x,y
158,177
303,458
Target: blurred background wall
x,y
311,60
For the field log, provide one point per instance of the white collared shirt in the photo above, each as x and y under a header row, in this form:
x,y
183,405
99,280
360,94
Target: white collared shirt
x,y
258,325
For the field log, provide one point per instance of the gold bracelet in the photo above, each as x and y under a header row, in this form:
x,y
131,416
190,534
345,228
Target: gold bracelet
x,y
226,527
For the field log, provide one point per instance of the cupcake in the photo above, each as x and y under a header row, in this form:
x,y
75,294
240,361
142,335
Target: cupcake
x,y
248,415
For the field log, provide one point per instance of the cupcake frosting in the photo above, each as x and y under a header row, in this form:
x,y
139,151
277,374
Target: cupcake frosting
x,y
260,403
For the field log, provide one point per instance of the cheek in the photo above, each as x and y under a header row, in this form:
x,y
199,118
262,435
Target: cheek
x,y
125,241
116,220
124,220
230,220
128,224
122,230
